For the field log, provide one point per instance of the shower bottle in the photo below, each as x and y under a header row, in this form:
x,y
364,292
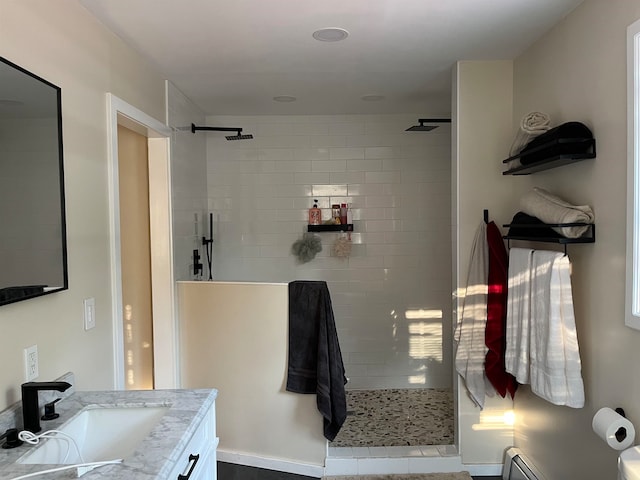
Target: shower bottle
x,y
343,214
315,214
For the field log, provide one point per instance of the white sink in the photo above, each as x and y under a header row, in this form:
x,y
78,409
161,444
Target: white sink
x,y
101,433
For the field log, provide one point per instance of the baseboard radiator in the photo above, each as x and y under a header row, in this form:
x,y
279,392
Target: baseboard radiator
x,y
518,467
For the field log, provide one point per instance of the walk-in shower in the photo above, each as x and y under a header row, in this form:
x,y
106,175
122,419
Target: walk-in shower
x,y
391,296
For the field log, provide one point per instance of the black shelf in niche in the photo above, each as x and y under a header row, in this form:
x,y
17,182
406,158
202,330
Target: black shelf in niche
x,y
586,144
348,227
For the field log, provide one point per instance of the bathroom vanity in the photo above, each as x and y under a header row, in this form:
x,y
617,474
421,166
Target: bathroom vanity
x,y
159,434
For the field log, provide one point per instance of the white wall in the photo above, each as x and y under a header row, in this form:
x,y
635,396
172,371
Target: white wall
x,y
234,338
482,115
62,43
578,72
398,184
188,182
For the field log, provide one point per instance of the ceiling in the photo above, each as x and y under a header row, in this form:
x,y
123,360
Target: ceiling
x,y
233,57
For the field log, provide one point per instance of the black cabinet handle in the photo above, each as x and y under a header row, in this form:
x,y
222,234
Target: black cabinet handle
x,y
194,459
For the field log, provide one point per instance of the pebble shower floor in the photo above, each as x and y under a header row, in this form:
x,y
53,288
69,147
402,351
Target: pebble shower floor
x,y
397,417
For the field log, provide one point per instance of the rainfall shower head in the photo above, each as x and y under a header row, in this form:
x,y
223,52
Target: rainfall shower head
x,y
237,136
427,128
421,128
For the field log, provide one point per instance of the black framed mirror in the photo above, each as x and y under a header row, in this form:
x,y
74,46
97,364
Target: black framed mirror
x,y
33,244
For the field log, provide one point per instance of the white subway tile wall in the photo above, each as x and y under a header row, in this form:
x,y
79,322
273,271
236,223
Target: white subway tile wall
x,y
392,296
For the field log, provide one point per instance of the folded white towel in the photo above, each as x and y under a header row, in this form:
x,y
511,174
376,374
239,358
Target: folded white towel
x,y
555,366
518,314
469,334
531,125
552,209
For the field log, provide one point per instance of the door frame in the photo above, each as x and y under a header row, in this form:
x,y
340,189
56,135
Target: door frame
x,y
162,280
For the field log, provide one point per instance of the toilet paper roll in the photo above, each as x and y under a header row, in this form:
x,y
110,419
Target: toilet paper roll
x,y
613,428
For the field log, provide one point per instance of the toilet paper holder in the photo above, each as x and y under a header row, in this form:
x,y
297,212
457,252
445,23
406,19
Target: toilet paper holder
x,y
612,426
621,433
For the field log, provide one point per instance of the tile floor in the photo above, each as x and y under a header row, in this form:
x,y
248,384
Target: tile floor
x,y
397,417
229,471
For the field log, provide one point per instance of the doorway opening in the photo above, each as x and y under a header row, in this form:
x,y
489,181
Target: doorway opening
x,y
159,269
135,259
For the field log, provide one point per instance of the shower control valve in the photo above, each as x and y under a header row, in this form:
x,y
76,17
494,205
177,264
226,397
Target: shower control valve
x,y
197,266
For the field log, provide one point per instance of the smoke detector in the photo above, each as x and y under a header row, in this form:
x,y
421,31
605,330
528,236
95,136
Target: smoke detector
x,y
330,34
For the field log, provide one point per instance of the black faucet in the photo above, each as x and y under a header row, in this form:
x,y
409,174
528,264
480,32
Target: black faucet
x,y
30,405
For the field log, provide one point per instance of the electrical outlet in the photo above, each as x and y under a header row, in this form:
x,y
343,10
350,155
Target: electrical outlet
x,y
89,313
31,363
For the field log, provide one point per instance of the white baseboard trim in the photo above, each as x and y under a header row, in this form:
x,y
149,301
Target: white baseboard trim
x,y
484,470
280,465
355,466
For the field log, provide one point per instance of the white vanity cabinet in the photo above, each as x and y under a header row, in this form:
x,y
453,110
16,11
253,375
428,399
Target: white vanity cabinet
x,y
198,459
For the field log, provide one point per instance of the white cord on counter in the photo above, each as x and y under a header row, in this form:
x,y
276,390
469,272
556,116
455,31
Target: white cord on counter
x,y
82,467
34,439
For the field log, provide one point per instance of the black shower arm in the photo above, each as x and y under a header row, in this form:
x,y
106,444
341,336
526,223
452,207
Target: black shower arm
x,y
195,128
433,120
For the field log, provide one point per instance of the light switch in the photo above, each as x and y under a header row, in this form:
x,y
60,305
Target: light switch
x,y
89,313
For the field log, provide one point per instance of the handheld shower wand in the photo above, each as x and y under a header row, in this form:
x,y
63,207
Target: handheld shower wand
x,y
208,246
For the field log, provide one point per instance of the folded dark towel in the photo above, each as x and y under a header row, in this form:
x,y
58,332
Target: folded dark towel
x,y
564,139
315,360
523,225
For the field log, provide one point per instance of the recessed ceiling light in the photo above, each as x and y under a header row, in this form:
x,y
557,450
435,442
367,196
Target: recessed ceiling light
x,y
372,98
284,98
330,34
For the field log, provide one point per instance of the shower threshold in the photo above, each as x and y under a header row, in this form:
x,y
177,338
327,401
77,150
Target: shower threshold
x,y
392,460
393,452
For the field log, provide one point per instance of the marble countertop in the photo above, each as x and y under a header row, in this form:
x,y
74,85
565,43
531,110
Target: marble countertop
x,y
153,458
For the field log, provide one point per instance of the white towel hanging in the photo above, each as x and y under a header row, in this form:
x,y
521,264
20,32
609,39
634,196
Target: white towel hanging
x,y
470,331
555,357
542,344
518,314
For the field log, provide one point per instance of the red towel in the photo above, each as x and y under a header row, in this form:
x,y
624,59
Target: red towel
x,y
494,336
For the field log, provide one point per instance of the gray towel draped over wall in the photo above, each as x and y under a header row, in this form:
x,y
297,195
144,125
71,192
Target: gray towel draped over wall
x,y
315,361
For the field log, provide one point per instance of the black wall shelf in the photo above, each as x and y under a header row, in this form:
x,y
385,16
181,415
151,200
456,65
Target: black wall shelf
x,y
348,227
554,160
588,237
